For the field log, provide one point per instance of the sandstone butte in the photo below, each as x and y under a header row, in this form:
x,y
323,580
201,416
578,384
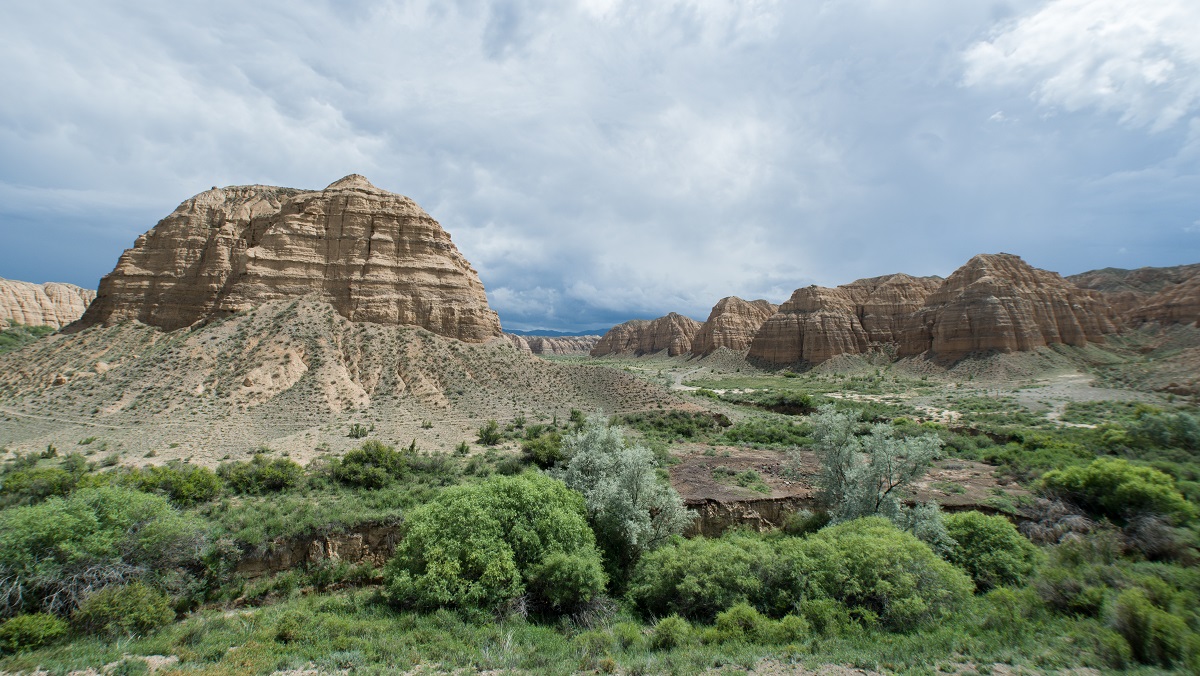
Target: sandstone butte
x,y
996,302
373,255
732,325
49,304
559,345
1168,295
673,333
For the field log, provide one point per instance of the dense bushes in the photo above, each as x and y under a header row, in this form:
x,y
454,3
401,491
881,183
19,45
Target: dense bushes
x,y
26,632
261,475
989,549
881,574
373,465
484,545
1113,488
125,610
56,552
185,485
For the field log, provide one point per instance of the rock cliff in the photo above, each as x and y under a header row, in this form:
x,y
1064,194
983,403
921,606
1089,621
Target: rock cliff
x,y
49,304
373,255
673,333
996,302
1167,295
559,345
732,325
818,323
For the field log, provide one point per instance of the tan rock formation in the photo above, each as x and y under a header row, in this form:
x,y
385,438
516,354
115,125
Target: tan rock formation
x,y
374,255
1175,304
49,304
996,302
732,325
673,333
818,323
555,345
1167,295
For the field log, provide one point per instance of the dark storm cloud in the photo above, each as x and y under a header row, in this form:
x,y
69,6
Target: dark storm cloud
x,y
605,160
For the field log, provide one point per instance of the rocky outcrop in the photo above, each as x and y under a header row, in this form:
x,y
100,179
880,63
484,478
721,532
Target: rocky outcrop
x,y
1169,295
373,255
994,303
673,333
819,323
371,543
732,325
49,304
556,345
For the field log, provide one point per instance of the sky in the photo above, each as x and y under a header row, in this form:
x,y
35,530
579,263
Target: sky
x,y
603,160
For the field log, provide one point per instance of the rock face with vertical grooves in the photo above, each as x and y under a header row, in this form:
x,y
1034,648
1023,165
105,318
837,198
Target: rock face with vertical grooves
x,y
673,333
373,255
557,345
1169,295
994,303
732,325
819,323
49,304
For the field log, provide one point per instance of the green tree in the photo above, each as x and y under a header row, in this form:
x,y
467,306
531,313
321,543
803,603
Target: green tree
x,y
484,545
631,509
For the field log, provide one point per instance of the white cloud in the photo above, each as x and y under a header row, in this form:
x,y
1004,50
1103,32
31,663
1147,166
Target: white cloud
x,y
1139,59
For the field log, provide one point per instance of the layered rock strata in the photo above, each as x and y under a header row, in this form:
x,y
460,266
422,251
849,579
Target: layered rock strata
x,y
732,325
555,345
49,304
994,303
673,333
373,255
819,323
1169,295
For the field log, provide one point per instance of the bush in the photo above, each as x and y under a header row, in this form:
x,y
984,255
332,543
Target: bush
x,y
565,580
489,433
742,621
701,577
882,573
670,632
55,552
261,475
185,485
129,610
1113,488
27,486
27,632
1154,635
544,450
989,549
483,545
373,465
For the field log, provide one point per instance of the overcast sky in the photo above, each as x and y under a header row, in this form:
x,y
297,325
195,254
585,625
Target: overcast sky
x,y
604,160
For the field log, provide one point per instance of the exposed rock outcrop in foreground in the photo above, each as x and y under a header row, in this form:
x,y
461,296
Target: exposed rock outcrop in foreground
x,y
994,303
373,255
49,304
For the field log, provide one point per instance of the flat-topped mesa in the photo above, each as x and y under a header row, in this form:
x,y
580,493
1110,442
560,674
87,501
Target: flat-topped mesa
x,y
673,333
818,323
375,256
50,304
732,325
1000,303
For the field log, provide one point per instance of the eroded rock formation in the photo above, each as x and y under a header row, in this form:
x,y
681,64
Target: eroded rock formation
x,y
996,302
732,325
1168,295
373,255
819,323
49,304
673,333
558,345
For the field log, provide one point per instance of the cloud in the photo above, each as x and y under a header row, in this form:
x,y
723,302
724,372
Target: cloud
x,y
1140,60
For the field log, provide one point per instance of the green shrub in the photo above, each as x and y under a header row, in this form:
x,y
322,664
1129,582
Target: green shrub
x,y
261,475
27,486
1066,591
489,433
543,450
989,549
128,610
372,465
742,621
883,573
565,580
27,632
1113,488
670,632
701,577
1154,635
185,485
481,546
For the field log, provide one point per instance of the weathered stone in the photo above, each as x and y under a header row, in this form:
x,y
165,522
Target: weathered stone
x,y
1164,296
373,255
673,333
556,345
732,325
49,304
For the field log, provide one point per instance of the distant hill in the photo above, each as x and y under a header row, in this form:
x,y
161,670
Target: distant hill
x,y
557,334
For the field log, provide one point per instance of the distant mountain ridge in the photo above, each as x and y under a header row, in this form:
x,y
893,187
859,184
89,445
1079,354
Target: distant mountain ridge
x,y
557,334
